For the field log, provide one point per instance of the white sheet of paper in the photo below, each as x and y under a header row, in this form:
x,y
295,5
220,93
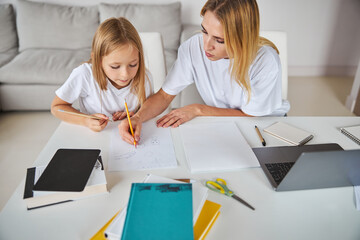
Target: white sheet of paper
x,y
155,150
214,147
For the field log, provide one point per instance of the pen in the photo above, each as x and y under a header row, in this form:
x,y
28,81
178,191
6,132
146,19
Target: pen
x,y
260,136
128,117
84,115
187,180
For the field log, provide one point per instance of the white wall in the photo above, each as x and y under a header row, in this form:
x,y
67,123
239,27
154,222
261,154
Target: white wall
x,y
323,35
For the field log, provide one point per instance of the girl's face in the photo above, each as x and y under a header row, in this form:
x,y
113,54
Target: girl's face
x,y
121,65
213,35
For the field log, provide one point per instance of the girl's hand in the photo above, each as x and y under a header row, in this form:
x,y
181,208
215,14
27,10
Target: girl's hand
x,y
179,116
97,125
121,115
125,133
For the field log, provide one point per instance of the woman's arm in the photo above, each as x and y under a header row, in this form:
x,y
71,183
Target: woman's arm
x,y
93,124
181,115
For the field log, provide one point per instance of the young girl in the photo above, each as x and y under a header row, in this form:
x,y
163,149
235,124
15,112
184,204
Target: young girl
x,y
115,71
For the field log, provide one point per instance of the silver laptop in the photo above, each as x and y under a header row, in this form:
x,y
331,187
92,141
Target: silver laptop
x,y
309,166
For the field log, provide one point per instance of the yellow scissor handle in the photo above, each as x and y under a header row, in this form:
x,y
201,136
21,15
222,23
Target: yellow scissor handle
x,y
224,186
215,187
219,186
222,181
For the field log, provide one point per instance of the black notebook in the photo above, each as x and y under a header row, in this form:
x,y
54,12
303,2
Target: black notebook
x,y
68,170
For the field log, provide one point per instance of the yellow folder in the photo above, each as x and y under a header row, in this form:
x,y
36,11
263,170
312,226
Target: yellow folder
x,y
100,235
206,219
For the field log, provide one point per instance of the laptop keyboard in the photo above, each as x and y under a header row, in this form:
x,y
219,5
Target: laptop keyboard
x,y
279,170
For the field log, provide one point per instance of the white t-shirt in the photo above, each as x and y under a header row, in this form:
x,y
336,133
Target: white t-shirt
x,y
82,85
215,86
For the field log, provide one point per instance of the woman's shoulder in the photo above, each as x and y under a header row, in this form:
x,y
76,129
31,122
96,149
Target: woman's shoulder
x,y
266,62
194,41
268,54
267,58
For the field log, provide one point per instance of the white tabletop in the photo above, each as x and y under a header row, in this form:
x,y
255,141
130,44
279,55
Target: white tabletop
x,y
306,214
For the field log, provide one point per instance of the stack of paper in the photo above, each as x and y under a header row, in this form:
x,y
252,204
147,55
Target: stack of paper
x,y
200,193
216,147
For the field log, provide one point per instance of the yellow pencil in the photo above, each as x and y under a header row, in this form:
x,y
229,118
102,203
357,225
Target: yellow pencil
x,y
84,115
128,117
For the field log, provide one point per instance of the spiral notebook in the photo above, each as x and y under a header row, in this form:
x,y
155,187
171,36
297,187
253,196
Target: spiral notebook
x,y
289,133
352,132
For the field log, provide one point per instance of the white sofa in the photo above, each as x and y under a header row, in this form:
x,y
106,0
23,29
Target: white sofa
x,y
41,45
44,42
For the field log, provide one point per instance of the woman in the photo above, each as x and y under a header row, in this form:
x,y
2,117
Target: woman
x,y
236,72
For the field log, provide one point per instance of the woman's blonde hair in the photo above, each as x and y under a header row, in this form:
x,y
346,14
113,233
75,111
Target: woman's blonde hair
x,y
241,22
110,35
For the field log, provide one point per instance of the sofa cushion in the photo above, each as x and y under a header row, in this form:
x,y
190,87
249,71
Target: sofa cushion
x,y
8,36
33,97
6,57
42,25
188,31
163,18
42,66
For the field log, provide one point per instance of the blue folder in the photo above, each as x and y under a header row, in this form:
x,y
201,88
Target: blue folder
x,y
159,211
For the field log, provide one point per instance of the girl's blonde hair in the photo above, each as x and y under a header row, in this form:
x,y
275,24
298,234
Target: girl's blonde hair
x,y
110,35
241,22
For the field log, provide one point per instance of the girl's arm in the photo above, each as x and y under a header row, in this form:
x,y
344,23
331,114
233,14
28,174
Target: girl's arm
x,y
181,115
93,124
152,107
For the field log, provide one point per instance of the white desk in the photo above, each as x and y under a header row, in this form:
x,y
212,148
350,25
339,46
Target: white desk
x,y
309,214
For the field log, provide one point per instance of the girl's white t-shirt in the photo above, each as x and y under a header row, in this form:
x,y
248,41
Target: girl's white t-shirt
x,y
215,86
82,85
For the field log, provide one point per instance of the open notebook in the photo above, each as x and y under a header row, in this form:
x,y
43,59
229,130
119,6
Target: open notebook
x,y
352,132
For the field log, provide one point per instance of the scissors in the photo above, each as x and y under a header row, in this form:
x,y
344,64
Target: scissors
x,y
220,186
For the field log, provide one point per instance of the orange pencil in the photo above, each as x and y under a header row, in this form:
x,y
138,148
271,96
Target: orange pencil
x,y
128,117
84,115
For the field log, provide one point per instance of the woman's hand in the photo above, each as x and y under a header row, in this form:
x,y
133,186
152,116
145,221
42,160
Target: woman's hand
x,y
96,125
124,130
179,116
121,115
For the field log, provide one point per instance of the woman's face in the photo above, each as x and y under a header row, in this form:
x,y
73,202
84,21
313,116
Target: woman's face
x,y
213,34
121,65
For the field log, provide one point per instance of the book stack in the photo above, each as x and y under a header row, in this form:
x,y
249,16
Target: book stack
x,y
71,174
201,214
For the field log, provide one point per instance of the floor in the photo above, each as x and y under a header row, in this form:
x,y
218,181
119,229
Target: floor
x,y
24,134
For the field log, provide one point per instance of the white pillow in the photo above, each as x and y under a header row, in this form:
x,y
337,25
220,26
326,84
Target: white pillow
x,y
162,18
43,25
8,37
